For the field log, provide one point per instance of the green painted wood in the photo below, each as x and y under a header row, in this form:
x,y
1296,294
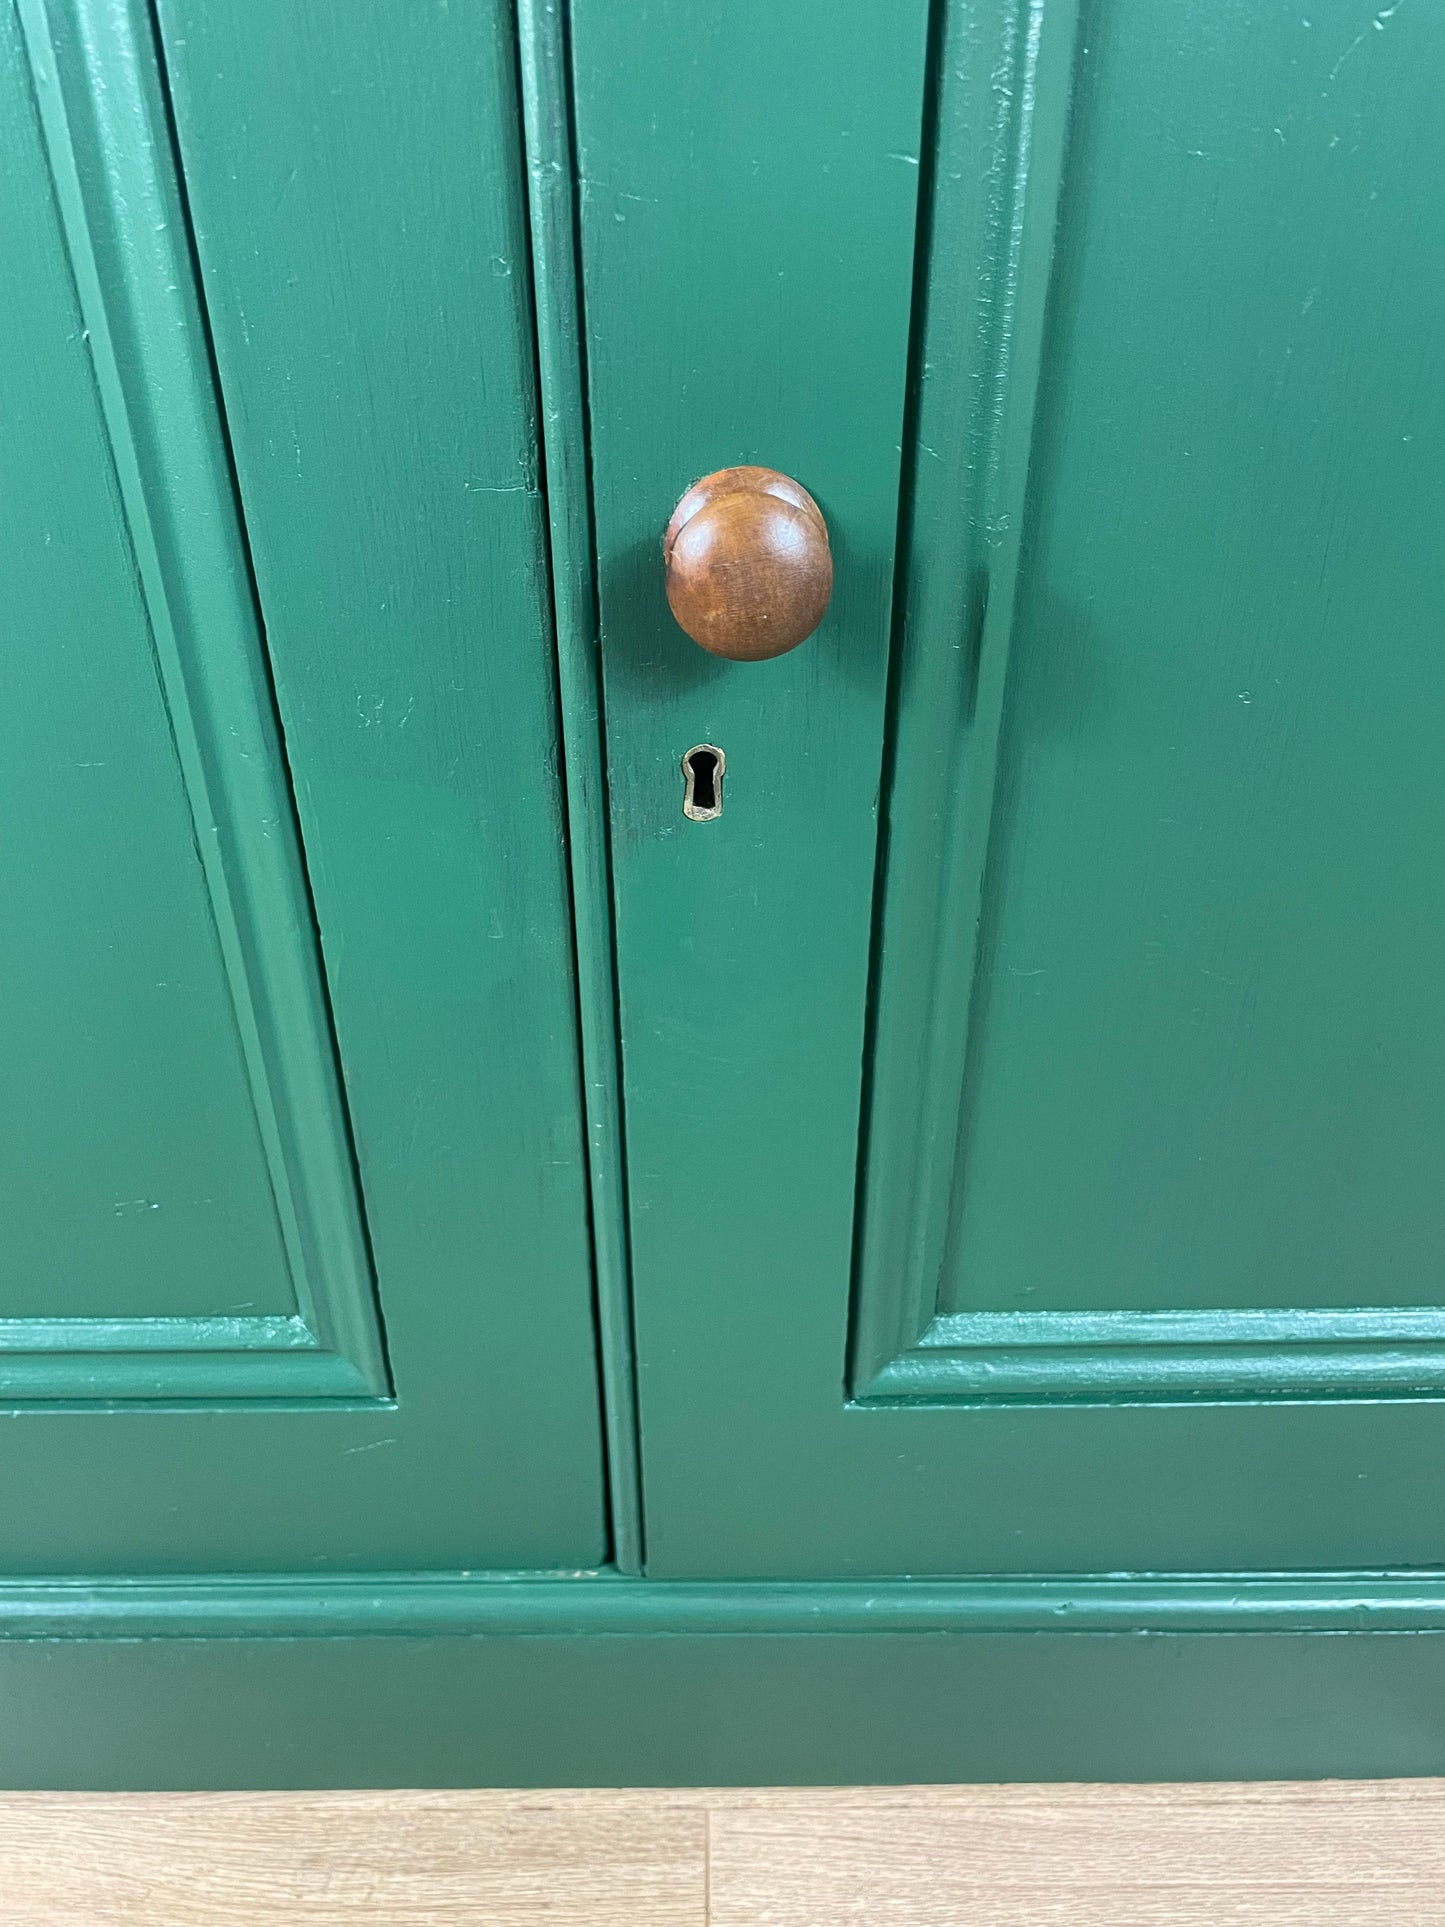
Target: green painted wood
x,y
671,1704
1246,886
140,1152
1116,324
123,237
1149,1269
1001,101
542,56
1321,1283
198,1338
995,1355
501,1605
763,199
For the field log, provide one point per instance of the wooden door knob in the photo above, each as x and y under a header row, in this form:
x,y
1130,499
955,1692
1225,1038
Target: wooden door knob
x,y
749,570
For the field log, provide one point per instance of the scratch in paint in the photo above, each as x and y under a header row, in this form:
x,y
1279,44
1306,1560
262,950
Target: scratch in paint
x,y
1378,25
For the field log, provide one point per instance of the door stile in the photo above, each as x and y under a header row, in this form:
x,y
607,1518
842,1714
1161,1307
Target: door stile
x,y
543,62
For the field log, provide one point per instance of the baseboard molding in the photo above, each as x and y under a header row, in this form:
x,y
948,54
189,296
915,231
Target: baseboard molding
x,y
456,1681
301,1605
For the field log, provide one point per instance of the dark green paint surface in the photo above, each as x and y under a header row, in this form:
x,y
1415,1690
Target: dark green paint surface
x,y
1149,1274
237,1370
1209,1066
377,375
1017,1119
134,1183
814,1709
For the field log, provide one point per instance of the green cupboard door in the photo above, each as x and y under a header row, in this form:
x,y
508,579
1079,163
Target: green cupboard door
x,y
295,1257
1034,1076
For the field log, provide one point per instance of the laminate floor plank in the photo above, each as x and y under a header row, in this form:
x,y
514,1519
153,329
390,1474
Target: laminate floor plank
x,y
1324,1855
1327,1854
363,1859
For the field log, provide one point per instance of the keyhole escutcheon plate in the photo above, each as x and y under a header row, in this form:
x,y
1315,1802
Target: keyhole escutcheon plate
x,y
702,797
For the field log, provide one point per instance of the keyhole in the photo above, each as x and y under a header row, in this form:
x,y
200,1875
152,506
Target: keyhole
x,y
703,767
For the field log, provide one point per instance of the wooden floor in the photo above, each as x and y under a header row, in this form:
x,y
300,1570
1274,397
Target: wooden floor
x,y
1330,1855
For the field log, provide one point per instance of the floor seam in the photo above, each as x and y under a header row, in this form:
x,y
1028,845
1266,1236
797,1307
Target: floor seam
x,y
707,1866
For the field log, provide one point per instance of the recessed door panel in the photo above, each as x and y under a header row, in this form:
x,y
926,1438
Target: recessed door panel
x,y
1184,1101
181,1216
295,1237
138,1187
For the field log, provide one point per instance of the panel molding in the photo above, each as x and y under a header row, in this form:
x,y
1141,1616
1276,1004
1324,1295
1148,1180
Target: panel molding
x,y
1002,88
1001,116
95,74
68,1360
1116,1356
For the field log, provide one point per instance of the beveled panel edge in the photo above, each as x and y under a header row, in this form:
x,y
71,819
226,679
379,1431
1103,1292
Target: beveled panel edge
x,y
1002,85
77,1361
1165,1357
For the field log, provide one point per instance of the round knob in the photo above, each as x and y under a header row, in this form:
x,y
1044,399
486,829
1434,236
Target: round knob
x,y
749,570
